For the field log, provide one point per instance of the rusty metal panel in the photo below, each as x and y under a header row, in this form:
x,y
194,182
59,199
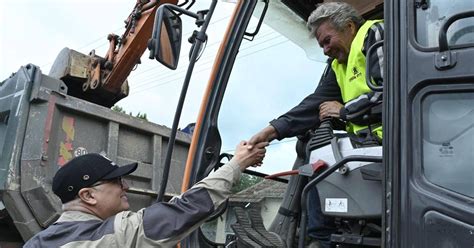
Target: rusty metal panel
x,y
70,63
74,69
41,128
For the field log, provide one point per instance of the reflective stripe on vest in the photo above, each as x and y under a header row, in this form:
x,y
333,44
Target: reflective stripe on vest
x,y
351,76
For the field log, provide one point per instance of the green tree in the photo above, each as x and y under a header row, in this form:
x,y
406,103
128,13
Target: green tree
x,y
119,109
246,181
141,116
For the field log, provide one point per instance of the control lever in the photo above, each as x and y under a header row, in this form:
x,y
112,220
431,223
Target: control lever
x,y
305,170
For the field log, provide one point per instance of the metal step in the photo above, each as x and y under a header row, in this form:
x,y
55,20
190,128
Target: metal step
x,y
257,224
243,241
254,229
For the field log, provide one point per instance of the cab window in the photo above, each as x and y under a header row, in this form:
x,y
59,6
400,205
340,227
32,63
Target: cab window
x,y
448,141
433,14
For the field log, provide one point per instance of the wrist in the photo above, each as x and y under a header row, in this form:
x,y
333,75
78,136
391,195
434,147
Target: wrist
x,y
235,163
270,133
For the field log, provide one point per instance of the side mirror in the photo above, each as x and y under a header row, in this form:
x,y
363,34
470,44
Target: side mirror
x,y
165,42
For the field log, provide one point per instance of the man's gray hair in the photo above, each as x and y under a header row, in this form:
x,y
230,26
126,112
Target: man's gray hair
x,y
339,14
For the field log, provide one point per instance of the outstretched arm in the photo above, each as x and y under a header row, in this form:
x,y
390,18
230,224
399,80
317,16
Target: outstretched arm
x,y
305,115
164,224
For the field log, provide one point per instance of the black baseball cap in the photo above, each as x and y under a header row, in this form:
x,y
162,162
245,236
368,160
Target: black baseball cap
x,y
85,170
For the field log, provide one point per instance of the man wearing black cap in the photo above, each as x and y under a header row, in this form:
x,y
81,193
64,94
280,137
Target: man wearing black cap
x,y
96,206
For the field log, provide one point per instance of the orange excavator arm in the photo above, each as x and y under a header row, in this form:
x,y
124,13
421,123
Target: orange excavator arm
x,y
103,80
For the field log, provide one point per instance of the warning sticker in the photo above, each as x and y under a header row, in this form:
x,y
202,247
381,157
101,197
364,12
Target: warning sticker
x,y
338,205
446,150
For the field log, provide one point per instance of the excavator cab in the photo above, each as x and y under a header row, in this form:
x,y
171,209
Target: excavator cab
x,y
246,221
401,201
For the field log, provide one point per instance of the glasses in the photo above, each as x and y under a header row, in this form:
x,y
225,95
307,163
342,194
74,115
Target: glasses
x,y
117,180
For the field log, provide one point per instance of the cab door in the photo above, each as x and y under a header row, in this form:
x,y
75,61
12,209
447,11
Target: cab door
x,y
204,153
429,123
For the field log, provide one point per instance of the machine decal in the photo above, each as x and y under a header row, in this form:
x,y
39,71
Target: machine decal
x,y
66,147
446,150
80,151
338,205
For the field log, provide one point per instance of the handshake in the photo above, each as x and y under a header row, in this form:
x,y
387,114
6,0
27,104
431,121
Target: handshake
x,y
247,154
252,152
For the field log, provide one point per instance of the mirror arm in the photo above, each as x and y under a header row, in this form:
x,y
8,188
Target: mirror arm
x,y
184,89
199,16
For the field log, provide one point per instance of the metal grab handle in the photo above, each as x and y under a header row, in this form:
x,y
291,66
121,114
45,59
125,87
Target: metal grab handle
x,y
259,24
368,80
442,38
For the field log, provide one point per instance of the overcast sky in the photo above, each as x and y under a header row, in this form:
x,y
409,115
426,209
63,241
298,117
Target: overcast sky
x,y
271,74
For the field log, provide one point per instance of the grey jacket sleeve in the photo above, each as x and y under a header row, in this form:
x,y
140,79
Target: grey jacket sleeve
x,y
165,224
375,34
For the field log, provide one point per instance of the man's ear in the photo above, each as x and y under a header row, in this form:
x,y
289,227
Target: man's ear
x,y
87,196
352,28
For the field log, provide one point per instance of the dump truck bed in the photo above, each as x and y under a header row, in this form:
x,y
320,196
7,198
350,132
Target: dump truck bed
x,y
41,128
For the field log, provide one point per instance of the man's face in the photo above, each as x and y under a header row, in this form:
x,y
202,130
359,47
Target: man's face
x,y
112,198
336,44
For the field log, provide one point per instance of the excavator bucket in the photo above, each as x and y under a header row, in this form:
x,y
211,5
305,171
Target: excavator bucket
x,y
75,70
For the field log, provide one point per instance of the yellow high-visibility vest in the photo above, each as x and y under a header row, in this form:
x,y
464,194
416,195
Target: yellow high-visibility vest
x,y
351,76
